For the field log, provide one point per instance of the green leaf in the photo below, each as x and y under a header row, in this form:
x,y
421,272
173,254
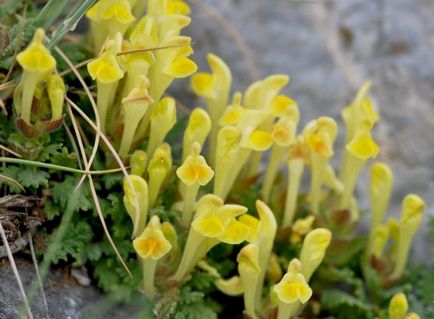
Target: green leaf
x,y
33,178
62,190
11,172
344,305
74,244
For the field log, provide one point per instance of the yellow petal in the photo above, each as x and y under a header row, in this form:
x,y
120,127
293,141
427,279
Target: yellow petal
x,y
283,106
320,143
181,67
178,7
412,208
36,57
363,146
305,293
235,233
252,223
202,84
283,132
248,258
105,69
195,170
120,10
398,306
260,140
152,244
210,226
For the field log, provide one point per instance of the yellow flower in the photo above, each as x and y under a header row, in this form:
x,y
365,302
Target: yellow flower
x,y
138,162
36,57
249,269
412,315
380,191
158,170
413,208
56,94
314,248
119,10
193,173
283,106
300,228
221,223
198,128
233,113
320,143
361,148
163,118
136,201
181,67
152,243
151,246
195,170
107,73
37,63
213,222
260,94
398,306
292,289
105,69
319,135
252,223
134,106
283,135
109,17
360,114
214,87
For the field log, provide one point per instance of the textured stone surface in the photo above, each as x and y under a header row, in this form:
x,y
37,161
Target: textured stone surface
x,y
66,299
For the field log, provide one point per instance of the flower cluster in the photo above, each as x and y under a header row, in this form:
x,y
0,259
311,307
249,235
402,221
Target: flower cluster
x,y
224,145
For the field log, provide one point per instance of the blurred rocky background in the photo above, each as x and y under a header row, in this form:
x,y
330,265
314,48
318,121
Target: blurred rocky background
x,y
329,48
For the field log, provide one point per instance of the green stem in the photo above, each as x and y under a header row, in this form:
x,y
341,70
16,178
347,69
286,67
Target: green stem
x,y
49,13
148,268
55,167
189,202
71,21
295,171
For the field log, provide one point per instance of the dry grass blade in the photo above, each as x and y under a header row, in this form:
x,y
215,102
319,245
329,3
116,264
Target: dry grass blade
x,y
13,181
7,85
4,148
94,107
94,150
83,63
93,191
116,156
38,276
15,271
98,135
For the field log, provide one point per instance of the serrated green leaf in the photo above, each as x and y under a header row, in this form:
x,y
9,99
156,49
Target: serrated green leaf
x,y
62,190
74,244
33,178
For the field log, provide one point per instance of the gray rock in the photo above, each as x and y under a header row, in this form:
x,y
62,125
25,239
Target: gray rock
x,y
65,297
